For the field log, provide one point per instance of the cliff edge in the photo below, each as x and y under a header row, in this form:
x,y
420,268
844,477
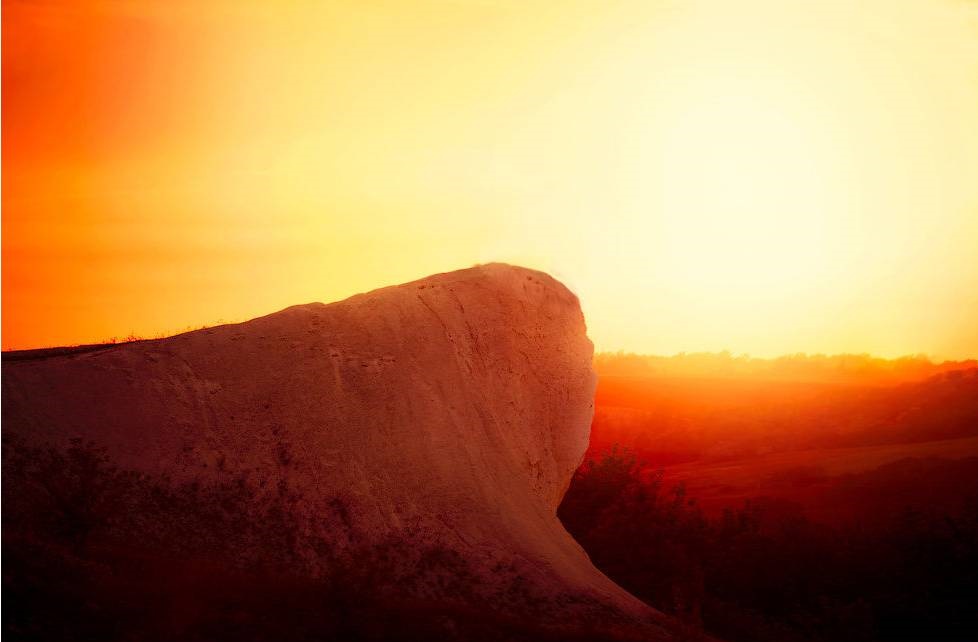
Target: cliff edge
x,y
428,429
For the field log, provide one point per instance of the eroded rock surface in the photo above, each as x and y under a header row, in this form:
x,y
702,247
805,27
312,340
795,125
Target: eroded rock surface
x,y
447,415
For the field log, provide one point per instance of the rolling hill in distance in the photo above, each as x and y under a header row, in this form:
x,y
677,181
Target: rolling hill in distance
x,y
791,428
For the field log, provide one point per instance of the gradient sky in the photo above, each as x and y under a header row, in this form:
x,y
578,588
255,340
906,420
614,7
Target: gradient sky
x,y
758,176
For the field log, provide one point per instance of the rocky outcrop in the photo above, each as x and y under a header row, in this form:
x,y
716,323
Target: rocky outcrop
x,y
439,421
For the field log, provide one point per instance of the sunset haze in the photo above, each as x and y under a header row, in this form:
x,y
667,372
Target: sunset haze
x,y
764,178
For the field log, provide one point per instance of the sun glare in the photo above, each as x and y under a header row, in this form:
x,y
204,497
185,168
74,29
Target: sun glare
x,y
744,181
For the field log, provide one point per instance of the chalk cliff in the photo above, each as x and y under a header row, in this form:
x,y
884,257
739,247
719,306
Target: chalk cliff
x,y
447,414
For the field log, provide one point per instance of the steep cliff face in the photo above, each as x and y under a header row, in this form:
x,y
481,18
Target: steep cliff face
x,y
445,414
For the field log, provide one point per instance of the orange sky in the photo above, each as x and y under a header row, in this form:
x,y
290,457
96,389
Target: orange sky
x,y
706,175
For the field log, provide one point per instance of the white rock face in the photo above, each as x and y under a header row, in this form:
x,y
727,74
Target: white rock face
x,y
450,411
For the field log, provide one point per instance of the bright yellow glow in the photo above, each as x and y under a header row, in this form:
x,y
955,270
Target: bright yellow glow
x,y
758,176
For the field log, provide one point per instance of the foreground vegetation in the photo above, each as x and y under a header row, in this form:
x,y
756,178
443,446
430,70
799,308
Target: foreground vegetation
x,y
765,573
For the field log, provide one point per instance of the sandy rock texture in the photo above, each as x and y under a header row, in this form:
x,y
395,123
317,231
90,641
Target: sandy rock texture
x,y
444,414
